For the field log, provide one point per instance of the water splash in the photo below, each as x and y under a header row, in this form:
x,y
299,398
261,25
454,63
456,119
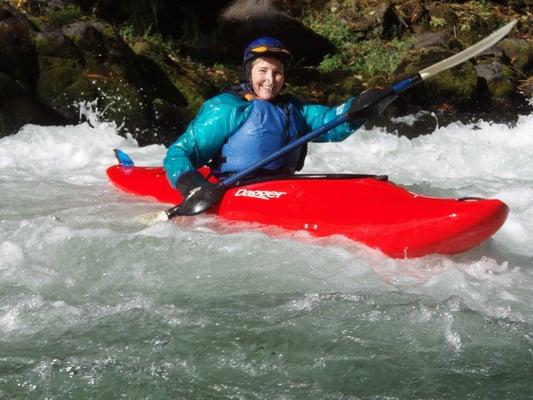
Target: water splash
x,y
95,302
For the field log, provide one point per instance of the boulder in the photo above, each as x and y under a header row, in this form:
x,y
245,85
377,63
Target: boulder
x,y
18,57
47,72
19,107
456,88
391,24
246,20
498,78
520,53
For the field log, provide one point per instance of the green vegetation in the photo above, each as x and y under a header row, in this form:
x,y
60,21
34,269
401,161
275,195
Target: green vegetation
x,y
64,16
365,57
128,33
437,22
143,15
376,56
478,16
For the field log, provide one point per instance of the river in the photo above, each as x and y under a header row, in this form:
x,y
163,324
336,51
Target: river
x,y
95,304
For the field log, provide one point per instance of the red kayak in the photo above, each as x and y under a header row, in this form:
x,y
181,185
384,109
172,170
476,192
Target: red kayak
x,y
367,209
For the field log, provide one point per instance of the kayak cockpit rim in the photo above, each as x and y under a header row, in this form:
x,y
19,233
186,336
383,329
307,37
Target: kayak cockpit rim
x,y
296,177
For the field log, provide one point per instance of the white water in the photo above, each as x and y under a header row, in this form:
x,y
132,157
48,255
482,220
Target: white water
x,y
94,302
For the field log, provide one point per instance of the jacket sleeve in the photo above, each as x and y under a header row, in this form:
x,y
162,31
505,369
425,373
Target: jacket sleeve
x,y
316,116
216,121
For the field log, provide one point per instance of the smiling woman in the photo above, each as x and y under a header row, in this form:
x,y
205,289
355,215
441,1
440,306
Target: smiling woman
x,y
251,120
268,77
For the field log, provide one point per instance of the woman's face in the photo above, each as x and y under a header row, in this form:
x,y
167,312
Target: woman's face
x,y
267,77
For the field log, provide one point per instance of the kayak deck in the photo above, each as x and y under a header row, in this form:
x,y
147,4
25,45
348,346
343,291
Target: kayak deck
x,y
366,209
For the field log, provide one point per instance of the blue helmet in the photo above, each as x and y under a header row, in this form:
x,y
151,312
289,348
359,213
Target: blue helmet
x,y
267,46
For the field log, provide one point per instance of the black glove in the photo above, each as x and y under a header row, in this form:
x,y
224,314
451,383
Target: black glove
x,y
198,194
371,103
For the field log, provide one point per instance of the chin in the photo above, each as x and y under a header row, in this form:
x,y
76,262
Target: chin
x,y
268,96
265,94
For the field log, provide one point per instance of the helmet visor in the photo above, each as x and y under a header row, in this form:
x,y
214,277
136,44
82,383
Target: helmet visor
x,y
267,49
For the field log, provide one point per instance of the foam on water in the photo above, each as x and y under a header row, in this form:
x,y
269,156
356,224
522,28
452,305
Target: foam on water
x,y
95,302
481,151
482,159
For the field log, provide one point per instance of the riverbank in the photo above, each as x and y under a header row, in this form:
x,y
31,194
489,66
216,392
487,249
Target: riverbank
x,y
149,65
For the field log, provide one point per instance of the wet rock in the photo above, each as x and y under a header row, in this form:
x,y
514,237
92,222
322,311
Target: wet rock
x,y
56,44
47,73
19,107
246,20
456,87
56,54
86,37
17,52
383,22
520,53
491,71
430,39
417,16
391,24
498,77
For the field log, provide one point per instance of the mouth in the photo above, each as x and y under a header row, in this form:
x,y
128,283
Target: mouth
x,y
266,91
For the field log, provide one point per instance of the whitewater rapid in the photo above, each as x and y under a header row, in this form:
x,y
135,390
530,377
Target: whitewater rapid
x,y
95,302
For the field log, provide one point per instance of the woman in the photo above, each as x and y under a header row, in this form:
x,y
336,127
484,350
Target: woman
x,y
251,120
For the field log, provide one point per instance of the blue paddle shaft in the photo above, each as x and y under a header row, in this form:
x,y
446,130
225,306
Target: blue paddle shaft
x,y
406,83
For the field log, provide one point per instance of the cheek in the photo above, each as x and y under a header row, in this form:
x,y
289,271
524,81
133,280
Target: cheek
x,y
256,78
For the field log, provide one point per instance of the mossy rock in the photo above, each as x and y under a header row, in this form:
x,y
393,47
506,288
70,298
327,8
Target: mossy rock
x,y
55,75
456,86
62,16
520,53
188,78
88,39
194,97
7,125
502,89
345,88
500,79
417,59
123,104
18,57
146,48
55,44
64,83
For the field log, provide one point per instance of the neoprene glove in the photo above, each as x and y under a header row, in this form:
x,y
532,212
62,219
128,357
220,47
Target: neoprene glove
x,y
370,103
190,180
198,194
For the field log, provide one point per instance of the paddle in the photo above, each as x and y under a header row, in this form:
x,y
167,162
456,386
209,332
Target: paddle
x,y
204,195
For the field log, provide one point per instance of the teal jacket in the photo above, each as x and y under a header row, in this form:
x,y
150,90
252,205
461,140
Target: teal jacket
x,y
220,116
